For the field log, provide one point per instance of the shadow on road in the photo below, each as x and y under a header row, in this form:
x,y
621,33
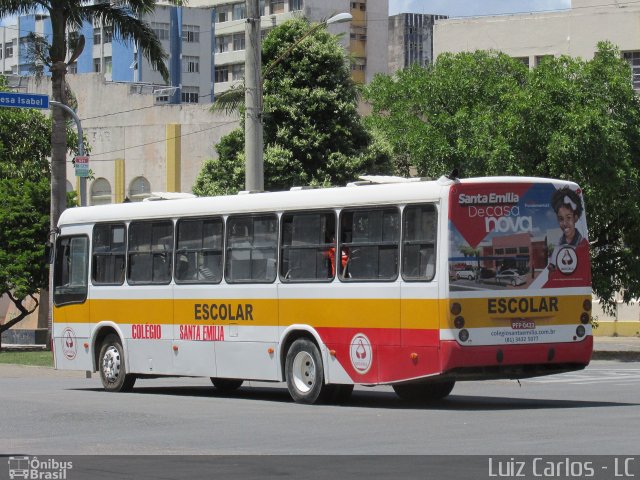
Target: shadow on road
x,y
377,399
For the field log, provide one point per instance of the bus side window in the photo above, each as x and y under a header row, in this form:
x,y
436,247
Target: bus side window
x,y
419,242
369,239
150,251
108,254
252,243
308,247
199,250
71,270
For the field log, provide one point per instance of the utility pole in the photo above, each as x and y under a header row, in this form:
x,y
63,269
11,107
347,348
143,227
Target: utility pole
x,y
253,143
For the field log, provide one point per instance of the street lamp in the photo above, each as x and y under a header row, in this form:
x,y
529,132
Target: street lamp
x,y
253,136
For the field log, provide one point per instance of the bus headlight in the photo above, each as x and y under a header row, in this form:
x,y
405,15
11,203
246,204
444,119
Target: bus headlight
x,y
580,331
584,318
459,322
456,308
463,335
586,305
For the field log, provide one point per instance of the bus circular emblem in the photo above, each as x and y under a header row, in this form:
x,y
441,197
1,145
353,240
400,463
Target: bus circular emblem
x,y
361,353
566,260
69,343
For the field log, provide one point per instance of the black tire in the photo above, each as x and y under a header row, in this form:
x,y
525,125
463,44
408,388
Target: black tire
x,y
112,368
226,385
304,373
424,392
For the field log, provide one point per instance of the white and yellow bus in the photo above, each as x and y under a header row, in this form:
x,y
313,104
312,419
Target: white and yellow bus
x,y
411,284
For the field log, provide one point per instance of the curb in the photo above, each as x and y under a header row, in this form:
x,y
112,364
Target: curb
x,y
621,356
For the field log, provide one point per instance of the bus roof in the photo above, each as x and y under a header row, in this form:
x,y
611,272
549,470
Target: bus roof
x,y
305,199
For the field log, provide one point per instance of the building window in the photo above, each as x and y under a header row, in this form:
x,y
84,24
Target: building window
x,y
237,71
634,62
296,5
222,74
100,192
224,13
108,34
190,94
190,64
161,30
359,6
8,50
222,43
191,33
540,58
276,6
359,64
524,60
1,50
139,189
108,65
238,41
97,65
239,11
97,36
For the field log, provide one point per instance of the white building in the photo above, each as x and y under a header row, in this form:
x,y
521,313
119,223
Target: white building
x,y
532,36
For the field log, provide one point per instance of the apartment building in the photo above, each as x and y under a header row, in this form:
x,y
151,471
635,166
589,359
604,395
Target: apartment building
x,y
364,37
411,40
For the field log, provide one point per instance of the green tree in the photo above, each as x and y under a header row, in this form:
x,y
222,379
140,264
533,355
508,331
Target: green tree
x,y
312,131
25,145
487,114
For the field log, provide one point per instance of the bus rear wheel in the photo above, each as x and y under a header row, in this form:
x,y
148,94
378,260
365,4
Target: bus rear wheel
x,y
424,392
226,385
304,373
113,372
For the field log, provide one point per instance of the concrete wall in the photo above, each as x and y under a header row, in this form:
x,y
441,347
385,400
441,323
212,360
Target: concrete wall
x,y
123,125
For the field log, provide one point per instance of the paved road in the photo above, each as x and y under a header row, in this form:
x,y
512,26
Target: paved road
x,y
49,412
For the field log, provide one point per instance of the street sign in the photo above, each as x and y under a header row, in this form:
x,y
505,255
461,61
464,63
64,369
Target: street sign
x,y
24,100
81,166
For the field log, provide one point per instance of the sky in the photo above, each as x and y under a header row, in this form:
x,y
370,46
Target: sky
x,y
469,8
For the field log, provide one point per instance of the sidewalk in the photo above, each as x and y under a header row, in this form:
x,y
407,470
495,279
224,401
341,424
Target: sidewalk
x,y
626,349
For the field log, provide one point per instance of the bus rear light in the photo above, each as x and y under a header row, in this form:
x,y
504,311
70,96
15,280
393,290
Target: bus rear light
x,y
413,356
456,308
584,318
587,305
459,322
463,335
270,350
580,331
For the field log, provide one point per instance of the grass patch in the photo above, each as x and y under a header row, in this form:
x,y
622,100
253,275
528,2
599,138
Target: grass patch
x,y
37,358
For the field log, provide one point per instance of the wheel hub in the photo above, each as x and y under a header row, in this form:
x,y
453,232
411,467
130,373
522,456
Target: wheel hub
x,y
111,364
304,372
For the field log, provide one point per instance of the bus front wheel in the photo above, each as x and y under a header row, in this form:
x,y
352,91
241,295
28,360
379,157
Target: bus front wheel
x,y
113,371
226,385
304,373
424,392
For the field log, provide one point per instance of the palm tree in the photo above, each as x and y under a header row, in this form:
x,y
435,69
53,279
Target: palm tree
x,y
125,18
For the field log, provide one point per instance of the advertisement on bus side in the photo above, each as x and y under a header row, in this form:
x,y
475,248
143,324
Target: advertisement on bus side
x,y
517,237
